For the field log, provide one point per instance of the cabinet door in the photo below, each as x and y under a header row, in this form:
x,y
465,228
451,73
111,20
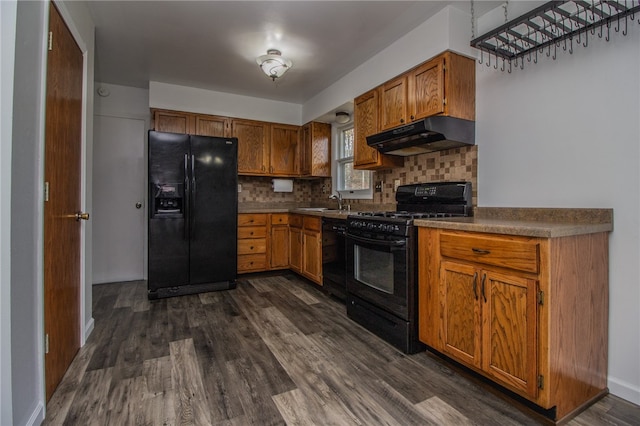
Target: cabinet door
x,y
253,146
509,330
365,116
320,152
461,331
312,257
295,249
394,103
284,150
304,150
426,90
279,246
211,125
173,121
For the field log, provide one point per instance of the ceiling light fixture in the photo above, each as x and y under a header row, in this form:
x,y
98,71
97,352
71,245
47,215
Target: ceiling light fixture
x,y
342,117
273,64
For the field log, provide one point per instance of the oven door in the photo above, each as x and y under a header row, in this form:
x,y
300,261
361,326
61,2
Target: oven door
x,y
377,272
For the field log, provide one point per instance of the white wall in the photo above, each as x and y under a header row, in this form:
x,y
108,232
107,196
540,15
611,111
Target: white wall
x,y
440,33
123,118
8,19
182,98
565,133
23,388
26,208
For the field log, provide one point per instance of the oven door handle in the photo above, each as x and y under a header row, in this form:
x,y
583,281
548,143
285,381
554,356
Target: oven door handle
x,y
395,243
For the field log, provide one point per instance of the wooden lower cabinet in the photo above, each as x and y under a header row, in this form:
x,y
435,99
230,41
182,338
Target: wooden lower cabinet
x,y
305,246
295,249
279,241
312,248
252,242
537,326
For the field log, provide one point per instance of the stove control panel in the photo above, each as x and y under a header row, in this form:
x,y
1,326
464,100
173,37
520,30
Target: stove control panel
x,y
376,227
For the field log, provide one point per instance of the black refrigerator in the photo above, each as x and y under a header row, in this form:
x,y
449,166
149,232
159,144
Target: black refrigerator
x,y
193,214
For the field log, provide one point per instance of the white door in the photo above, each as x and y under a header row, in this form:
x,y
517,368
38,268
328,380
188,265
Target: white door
x,y
118,216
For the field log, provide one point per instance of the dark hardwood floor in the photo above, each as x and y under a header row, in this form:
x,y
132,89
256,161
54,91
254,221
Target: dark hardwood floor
x,y
274,351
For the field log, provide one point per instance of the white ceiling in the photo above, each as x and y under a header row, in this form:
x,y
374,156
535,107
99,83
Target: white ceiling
x,y
214,44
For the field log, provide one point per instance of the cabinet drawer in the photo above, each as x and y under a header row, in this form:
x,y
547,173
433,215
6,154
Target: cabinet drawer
x,y
503,252
252,262
252,232
312,223
252,246
279,219
249,219
295,221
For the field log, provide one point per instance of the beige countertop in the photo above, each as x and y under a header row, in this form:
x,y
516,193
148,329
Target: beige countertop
x,y
529,222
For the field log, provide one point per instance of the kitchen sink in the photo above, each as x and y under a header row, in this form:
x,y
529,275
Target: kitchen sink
x,y
313,209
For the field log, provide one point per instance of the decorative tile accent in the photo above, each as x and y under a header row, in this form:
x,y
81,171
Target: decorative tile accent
x,y
460,164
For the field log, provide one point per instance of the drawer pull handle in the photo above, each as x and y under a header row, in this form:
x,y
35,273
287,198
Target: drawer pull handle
x,y
251,233
480,251
475,285
484,296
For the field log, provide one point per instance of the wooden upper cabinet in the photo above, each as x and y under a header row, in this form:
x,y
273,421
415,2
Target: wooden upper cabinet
x,y
315,150
394,103
444,85
211,125
284,150
426,90
173,121
253,146
365,116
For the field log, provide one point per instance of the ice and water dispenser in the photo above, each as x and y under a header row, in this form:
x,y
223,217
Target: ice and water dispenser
x,y
168,200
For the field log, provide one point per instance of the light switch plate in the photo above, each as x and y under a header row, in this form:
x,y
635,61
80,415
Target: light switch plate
x,y
239,187
396,184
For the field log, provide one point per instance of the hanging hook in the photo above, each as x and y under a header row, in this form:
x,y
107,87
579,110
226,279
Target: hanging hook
x,y
593,28
481,57
555,50
509,71
626,17
522,62
502,67
495,66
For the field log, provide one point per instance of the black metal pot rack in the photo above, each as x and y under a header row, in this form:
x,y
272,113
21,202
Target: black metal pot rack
x,y
554,25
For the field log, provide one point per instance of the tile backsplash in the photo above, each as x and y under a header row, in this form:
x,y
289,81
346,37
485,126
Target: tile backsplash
x,y
450,165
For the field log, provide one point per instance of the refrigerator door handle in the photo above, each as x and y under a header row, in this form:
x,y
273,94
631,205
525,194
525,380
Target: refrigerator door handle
x,y
187,198
192,220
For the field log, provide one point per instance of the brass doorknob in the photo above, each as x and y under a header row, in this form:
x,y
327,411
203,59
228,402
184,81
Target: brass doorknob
x,y
81,215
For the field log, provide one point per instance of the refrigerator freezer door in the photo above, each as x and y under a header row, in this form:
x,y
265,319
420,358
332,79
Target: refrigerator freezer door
x,y
168,232
214,210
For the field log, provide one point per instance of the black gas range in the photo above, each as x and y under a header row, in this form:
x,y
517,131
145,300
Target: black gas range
x,y
382,283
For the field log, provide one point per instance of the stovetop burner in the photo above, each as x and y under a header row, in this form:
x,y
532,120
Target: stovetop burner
x,y
416,201
407,215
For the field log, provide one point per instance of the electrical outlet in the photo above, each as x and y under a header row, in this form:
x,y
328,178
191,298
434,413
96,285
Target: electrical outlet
x,y
396,184
378,186
239,187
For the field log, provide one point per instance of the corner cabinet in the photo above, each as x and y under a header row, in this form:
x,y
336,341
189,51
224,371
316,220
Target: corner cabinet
x,y
315,150
528,313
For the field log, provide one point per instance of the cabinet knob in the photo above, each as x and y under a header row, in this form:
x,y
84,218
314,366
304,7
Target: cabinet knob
x,y
413,117
402,120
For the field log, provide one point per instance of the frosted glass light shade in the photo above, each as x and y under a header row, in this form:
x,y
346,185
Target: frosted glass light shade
x,y
273,64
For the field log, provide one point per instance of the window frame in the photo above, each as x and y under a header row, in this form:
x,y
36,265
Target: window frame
x,y
337,160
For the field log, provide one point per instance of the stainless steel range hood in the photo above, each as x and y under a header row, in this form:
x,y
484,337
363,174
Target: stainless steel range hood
x,y
427,135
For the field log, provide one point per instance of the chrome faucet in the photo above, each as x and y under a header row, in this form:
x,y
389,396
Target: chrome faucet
x,y
338,198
